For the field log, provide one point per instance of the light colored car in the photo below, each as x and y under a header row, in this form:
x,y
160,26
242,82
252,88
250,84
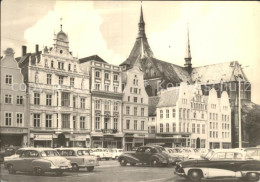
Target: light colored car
x,y
116,153
16,155
220,163
254,152
102,153
197,154
176,154
38,161
79,158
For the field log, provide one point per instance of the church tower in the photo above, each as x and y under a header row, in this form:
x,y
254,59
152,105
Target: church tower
x,y
187,58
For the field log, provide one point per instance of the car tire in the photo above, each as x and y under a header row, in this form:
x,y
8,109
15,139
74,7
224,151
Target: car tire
x,y
38,171
194,175
75,167
123,162
59,173
90,168
11,169
154,163
252,177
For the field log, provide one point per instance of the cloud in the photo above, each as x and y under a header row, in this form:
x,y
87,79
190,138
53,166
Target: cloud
x,y
82,23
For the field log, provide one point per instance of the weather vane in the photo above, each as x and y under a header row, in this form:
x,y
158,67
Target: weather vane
x,y
61,23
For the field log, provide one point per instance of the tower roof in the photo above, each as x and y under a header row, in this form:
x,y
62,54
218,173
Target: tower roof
x,y
188,54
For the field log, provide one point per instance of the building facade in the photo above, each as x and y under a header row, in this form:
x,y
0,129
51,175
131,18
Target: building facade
x,y
135,107
13,104
59,96
106,102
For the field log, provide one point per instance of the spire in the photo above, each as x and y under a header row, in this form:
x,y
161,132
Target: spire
x,y
141,25
187,57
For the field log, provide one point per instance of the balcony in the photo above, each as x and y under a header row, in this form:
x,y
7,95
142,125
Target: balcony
x,y
109,131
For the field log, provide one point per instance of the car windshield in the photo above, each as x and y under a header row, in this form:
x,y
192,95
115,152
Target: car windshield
x,y
83,152
49,153
18,152
209,154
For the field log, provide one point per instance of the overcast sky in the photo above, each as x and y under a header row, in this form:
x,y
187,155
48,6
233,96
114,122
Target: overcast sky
x,y
219,31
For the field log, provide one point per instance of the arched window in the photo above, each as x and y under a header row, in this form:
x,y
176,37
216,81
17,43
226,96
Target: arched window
x,y
169,85
46,63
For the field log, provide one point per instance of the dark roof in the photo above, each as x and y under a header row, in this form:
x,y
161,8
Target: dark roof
x,y
169,98
92,58
152,102
18,59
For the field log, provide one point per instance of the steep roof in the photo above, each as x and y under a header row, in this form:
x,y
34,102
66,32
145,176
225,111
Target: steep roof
x,y
169,98
215,73
92,58
152,102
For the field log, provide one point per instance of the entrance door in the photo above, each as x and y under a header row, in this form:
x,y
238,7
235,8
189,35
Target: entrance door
x,y
61,140
198,143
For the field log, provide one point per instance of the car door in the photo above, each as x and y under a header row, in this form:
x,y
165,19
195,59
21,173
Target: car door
x,y
140,154
28,159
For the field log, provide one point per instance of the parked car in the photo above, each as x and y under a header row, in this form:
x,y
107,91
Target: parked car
x,y
38,161
197,154
151,155
254,152
176,155
79,158
220,163
16,155
8,151
102,153
116,153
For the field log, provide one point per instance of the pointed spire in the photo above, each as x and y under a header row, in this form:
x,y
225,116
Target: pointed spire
x,y
141,16
188,54
141,25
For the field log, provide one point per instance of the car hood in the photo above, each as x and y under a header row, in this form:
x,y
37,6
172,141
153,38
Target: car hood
x,y
58,161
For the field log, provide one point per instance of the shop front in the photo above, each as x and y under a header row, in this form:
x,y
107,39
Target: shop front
x,y
106,142
42,140
133,141
13,137
79,140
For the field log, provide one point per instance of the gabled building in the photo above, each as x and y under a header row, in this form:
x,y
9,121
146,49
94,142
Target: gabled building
x,y
14,120
106,102
59,106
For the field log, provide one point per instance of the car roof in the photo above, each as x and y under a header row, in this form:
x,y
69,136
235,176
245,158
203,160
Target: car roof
x,y
228,150
39,149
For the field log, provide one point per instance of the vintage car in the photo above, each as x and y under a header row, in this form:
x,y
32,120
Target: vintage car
x,y
8,151
220,163
16,155
176,154
198,154
151,155
102,153
254,152
38,161
116,153
79,158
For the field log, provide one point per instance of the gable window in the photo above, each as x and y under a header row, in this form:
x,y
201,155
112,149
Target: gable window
x,y
8,99
8,119
8,79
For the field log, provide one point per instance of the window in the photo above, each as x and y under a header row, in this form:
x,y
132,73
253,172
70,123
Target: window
x,y
60,65
74,101
52,64
115,88
127,124
203,129
19,100
49,76
8,99
180,113
82,103
161,114
65,120
142,100
97,86
115,123
74,122
135,90
142,111
174,127
127,110
8,119
72,80
19,119
180,127
167,127
152,129
193,128
135,99
135,111
75,68
60,80
184,113
107,76
36,120
106,87
48,123
167,113
198,128
97,123
82,122
48,99
115,106
142,125
194,114
115,77
65,99
173,113
188,114
128,98
161,128
107,104
202,115
8,79
97,104
135,124
69,67
188,126
36,99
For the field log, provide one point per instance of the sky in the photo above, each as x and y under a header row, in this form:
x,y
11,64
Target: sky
x,y
220,31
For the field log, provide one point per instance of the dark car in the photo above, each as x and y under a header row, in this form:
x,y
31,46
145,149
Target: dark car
x,y
151,155
220,163
8,151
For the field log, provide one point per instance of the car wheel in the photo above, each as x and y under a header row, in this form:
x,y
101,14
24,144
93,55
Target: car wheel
x,y
194,175
107,159
132,164
123,162
252,177
11,169
59,173
38,171
154,163
75,168
90,168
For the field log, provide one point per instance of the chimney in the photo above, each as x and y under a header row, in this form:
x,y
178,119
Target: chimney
x,y
24,50
37,48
